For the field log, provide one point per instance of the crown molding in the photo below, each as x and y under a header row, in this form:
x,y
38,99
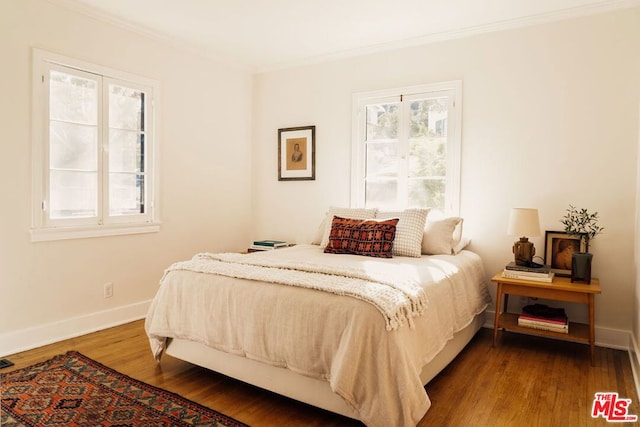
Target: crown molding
x,y
144,31
510,24
527,21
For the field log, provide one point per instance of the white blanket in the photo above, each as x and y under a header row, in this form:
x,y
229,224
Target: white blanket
x,y
340,339
394,291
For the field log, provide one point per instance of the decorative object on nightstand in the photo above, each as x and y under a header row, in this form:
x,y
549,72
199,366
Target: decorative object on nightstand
x,y
523,222
581,222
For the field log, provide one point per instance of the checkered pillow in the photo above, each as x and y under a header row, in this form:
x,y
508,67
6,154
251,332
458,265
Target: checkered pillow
x,y
362,237
409,231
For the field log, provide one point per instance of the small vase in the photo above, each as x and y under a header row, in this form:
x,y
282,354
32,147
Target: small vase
x,y
581,267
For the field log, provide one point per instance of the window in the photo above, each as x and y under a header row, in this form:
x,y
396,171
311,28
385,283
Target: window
x,y
406,148
93,147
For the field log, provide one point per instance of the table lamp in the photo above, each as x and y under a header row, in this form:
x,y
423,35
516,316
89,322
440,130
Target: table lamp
x,y
523,222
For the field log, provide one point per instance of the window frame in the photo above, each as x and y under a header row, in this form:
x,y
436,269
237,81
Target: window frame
x,y
360,100
45,228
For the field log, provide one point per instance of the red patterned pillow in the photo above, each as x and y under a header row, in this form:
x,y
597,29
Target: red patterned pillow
x,y
362,237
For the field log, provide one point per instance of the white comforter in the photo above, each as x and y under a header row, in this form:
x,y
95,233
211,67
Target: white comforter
x,y
338,338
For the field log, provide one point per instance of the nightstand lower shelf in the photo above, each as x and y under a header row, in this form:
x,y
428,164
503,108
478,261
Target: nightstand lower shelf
x,y
560,289
578,332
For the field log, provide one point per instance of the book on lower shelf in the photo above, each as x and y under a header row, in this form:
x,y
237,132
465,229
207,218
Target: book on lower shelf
x,y
558,324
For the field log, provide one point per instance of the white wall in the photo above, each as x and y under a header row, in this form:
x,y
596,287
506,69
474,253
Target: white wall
x,y
52,289
550,117
635,339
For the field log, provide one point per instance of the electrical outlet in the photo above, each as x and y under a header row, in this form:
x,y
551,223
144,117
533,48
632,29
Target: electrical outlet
x,y
108,290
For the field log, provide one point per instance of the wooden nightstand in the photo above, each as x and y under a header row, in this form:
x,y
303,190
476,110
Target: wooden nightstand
x,y
560,289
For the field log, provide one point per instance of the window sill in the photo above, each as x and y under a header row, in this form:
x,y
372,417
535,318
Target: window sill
x,y
66,233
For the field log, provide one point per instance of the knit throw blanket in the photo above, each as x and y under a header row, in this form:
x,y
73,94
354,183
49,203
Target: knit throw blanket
x,y
397,296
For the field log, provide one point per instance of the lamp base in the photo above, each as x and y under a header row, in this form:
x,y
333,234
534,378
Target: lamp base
x,y
523,251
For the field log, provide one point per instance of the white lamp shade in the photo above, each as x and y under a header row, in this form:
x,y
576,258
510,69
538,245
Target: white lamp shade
x,y
523,222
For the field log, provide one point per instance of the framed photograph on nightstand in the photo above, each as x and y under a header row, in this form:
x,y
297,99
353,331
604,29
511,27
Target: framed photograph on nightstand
x,y
558,249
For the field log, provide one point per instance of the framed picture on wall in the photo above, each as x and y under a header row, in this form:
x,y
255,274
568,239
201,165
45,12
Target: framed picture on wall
x,y
558,249
297,153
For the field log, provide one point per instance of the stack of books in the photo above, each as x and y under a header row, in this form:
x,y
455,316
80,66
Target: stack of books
x,y
540,274
267,245
558,324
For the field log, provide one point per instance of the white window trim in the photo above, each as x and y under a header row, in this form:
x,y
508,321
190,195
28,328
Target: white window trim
x,y
359,100
41,230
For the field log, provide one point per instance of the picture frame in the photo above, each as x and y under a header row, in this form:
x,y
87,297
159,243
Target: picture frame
x,y
297,153
558,248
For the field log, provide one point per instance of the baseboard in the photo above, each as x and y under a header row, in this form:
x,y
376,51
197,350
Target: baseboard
x,y
605,337
29,338
634,354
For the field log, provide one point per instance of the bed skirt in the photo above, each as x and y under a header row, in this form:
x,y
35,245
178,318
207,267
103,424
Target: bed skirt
x,y
305,389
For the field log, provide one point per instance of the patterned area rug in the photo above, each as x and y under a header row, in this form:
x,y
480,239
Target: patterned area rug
x,y
73,390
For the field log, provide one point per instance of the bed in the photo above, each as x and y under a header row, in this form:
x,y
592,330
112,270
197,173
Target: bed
x,y
313,326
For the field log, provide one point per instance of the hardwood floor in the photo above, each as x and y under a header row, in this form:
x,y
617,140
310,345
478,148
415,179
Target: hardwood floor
x,y
523,381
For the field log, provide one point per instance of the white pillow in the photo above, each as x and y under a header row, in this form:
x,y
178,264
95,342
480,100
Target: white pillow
x,y
355,213
441,236
464,242
409,231
317,237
